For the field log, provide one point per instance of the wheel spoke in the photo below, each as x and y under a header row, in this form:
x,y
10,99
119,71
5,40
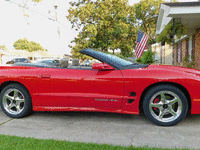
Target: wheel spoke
x,y
11,105
163,98
157,105
18,108
161,114
18,102
15,94
9,97
171,111
173,101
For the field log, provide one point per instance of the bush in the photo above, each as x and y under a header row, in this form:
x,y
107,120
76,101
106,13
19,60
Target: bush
x,y
188,63
147,58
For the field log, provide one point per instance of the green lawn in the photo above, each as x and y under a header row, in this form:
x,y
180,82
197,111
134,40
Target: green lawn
x,y
19,143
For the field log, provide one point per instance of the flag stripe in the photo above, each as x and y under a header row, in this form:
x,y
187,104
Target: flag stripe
x,y
140,44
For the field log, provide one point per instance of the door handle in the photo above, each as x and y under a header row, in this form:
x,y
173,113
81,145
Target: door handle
x,y
45,76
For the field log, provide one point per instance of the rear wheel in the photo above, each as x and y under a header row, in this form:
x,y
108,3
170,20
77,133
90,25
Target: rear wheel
x,y
165,105
15,101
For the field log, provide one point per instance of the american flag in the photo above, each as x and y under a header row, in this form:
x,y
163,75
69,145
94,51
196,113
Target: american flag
x,y
140,44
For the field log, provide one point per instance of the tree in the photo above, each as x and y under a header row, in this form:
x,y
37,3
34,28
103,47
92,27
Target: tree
x,y
104,24
24,44
76,54
146,14
37,1
3,47
167,33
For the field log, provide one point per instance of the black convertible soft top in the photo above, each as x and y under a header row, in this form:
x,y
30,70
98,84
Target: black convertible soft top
x,y
99,56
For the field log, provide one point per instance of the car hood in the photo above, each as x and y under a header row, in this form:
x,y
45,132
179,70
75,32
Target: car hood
x,y
174,69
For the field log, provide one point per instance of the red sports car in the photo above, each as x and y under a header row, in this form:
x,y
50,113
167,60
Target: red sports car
x,y
164,93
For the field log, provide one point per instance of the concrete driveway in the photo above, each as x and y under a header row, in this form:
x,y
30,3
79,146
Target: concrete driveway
x,y
109,128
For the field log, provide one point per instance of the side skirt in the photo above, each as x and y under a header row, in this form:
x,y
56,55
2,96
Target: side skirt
x,y
42,108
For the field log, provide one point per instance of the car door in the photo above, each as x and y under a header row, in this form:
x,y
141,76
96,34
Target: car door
x,y
80,88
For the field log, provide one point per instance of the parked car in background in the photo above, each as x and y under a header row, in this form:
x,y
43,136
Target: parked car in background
x,y
86,63
50,62
31,64
15,60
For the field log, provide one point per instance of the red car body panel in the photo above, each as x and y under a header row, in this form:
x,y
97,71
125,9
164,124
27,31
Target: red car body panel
x,y
137,80
79,88
57,89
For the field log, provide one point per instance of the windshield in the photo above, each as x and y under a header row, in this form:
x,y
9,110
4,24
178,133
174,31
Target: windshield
x,y
115,59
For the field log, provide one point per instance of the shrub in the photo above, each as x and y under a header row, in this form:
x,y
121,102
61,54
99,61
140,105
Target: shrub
x,y
147,58
187,62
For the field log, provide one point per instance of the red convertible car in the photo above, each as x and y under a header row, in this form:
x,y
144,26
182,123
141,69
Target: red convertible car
x,y
165,94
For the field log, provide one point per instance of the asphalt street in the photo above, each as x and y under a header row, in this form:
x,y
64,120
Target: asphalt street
x,y
109,128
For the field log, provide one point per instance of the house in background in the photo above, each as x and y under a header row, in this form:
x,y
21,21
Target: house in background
x,y
189,15
163,53
7,55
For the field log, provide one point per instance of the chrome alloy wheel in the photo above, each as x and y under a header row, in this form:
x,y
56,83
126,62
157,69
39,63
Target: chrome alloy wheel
x,y
165,106
13,101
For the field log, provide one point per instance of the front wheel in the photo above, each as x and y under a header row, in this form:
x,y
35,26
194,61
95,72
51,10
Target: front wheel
x,y
165,105
15,101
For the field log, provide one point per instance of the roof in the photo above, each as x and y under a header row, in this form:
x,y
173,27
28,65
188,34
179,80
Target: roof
x,y
39,53
188,12
181,4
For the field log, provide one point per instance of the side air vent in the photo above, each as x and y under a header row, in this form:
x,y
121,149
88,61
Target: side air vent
x,y
132,94
130,101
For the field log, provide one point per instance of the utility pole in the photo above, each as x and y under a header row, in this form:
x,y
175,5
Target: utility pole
x,y
56,6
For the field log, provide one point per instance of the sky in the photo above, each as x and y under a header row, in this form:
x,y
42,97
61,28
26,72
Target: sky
x,y
38,27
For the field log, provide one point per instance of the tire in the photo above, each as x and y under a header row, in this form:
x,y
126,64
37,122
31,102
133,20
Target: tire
x,y
15,101
165,105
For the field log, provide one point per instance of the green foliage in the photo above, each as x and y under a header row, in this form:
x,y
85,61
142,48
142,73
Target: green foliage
x,y
146,14
76,54
167,34
3,47
147,58
37,1
187,62
139,60
24,44
104,24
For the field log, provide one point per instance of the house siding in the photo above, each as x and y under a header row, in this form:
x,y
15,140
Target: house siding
x,y
181,50
184,49
176,55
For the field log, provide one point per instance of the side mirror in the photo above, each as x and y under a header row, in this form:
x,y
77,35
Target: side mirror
x,y
102,66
